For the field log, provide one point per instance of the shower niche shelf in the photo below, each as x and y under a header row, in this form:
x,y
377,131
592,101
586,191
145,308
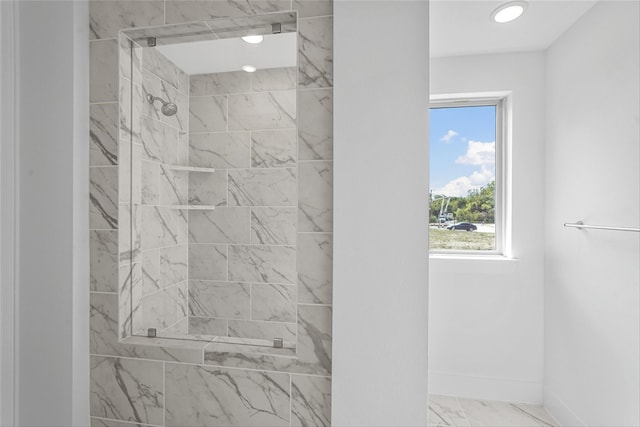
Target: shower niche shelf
x,y
193,207
189,168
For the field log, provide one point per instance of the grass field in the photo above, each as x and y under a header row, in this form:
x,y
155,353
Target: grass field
x,y
461,240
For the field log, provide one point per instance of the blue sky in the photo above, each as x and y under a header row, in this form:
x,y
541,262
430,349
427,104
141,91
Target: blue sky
x,y
462,149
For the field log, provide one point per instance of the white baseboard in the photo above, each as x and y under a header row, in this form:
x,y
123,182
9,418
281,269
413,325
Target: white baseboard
x,y
485,388
560,411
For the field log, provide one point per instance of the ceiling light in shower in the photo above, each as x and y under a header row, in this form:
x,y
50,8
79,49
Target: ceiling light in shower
x,y
249,68
508,11
253,39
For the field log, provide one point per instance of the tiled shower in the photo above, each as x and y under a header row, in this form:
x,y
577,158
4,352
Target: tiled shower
x,y
211,228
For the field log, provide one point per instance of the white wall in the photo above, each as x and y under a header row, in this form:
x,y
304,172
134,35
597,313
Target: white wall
x,y
380,213
485,321
592,277
52,334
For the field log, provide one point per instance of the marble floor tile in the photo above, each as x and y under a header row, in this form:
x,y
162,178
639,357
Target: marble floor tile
x,y
445,411
503,414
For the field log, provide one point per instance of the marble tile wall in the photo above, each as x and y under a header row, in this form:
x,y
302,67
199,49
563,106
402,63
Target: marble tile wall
x,y
160,382
243,274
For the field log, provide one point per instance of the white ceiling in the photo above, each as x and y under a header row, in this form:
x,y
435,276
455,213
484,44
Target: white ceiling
x,y
459,27
217,56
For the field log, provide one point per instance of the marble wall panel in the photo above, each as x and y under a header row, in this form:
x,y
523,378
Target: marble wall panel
x,y
315,268
315,124
222,225
208,114
315,52
315,205
264,264
274,148
262,110
220,83
226,300
228,150
198,395
273,226
207,262
127,389
262,187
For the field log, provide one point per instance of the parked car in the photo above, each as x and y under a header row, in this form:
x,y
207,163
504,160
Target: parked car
x,y
462,226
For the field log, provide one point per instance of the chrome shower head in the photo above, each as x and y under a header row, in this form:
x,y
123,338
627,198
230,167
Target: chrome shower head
x,y
168,108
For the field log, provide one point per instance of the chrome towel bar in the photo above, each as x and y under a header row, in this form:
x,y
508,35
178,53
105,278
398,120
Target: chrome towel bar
x,y
580,225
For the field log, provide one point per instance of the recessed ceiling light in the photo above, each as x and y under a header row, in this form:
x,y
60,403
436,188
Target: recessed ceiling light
x,y
253,39
508,11
249,68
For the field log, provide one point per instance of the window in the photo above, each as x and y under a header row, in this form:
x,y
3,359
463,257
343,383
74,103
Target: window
x,y
466,207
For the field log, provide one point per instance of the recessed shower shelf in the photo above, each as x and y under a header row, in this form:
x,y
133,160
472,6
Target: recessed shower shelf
x,y
193,207
190,168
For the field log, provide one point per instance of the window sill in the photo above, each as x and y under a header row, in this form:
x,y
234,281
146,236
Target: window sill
x,y
472,263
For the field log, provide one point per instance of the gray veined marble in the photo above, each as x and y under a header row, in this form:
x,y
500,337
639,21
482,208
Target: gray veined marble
x,y
207,188
207,326
126,389
445,411
103,195
150,263
160,227
103,71
263,187
150,183
225,300
310,401
104,422
161,66
316,196
262,264
159,141
106,18
129,299
262,110
315,268
315,124
314,338
208,396
131,105
130,179
262,330
129,232
103,132
273,226
103,255
159,309
310,8
501,414
174,265
174,187
207,262
274,148
273,303
220,83
104,336
208,114
188,10
222,225
228,150
273,79
315,52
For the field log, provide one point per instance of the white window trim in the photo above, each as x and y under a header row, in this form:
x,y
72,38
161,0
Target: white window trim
x,y
503,103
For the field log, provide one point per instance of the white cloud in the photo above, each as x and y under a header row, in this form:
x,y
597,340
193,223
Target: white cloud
x,y
478,153
450,134
460,186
